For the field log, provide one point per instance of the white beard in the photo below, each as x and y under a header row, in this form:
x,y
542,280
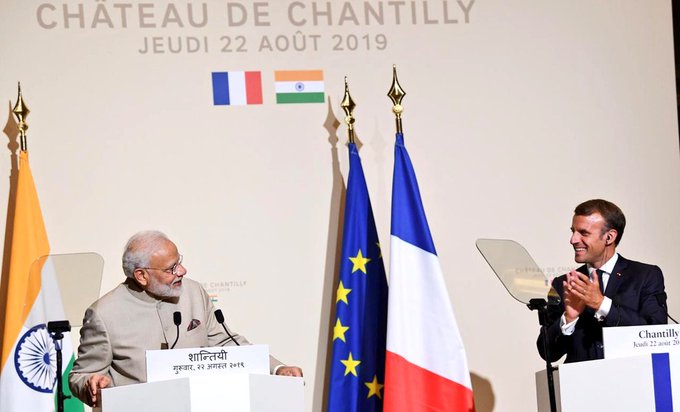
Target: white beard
x,y
162,290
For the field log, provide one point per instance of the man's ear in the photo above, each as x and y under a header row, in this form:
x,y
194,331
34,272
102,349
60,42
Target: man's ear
x,y
611,236
141,276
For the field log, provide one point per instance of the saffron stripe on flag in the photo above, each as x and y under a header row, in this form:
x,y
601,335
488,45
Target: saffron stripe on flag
x,y
27,377
661,370
297,75
29,242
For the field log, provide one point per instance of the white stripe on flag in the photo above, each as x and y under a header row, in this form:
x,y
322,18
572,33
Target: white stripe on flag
x,y
15,395
419,306
237,88
300,87
674,361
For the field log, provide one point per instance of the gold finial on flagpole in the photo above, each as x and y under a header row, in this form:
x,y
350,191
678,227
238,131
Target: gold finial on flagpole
x,y
396,93
21,112
348,106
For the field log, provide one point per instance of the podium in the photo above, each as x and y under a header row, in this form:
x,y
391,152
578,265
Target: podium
x,y
640,372
638,383
228,393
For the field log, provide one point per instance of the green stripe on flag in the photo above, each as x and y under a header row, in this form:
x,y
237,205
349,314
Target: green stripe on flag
x,y
71,404
300,97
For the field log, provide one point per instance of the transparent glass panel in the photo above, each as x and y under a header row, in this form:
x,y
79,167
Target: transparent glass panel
x,y
76,276
515,268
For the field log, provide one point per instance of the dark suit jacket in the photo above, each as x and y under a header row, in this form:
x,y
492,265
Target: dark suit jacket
x,y
634,288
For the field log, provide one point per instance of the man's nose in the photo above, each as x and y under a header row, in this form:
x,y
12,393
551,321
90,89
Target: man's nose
x,y
575,238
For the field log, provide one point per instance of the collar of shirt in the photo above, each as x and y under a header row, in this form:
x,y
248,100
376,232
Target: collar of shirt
x,y
607,268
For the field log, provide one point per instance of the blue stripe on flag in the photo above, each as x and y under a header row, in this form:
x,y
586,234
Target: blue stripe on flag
x,y
661,370
220,84
409,222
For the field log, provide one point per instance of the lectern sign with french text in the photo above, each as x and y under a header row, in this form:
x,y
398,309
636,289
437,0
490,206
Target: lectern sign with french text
x,y
637,340
181,363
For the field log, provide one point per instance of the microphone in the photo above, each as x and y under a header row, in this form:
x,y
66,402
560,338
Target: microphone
x,y
661,300
220,319
177,320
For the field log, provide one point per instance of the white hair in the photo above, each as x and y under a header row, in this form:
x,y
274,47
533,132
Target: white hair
x,y
139,249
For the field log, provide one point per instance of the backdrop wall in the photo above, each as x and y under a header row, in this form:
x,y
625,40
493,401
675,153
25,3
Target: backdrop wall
x,y
515,112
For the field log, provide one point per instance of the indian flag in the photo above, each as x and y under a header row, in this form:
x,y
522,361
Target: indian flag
x,y
299,86
28,376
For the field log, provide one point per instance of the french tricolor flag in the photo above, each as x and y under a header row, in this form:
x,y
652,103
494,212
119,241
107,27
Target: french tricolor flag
x,y
237,88
425,366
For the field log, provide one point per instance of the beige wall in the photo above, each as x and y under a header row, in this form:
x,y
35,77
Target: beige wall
x,y
513,115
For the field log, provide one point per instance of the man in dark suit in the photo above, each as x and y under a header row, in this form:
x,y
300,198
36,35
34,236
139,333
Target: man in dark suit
x,y
608,290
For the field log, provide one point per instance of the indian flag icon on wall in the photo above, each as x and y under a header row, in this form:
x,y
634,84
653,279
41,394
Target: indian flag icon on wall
x,y
299,86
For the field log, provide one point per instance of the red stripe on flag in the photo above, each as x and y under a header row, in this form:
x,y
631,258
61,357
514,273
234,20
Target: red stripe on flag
x,y
411,388
253,87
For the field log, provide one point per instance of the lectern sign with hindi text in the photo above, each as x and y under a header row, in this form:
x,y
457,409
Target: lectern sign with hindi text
x,y
181,363
624,341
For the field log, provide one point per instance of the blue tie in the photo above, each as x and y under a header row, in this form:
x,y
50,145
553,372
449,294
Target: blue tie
x,y
600,279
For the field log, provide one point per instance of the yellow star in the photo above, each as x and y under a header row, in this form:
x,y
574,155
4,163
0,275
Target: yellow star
x,y
342,293
379,248
350,365
374,387
339,331
359,262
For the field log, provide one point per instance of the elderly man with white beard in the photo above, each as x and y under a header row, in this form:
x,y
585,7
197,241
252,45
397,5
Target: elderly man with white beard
x,y
137,316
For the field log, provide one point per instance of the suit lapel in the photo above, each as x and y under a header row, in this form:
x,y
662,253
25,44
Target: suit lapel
x,y
583,269
616,277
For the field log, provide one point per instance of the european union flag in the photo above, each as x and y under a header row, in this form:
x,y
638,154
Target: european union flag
x,y
360,327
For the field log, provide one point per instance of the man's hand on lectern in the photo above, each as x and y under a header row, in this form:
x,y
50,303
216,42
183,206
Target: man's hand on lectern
x,y
95,384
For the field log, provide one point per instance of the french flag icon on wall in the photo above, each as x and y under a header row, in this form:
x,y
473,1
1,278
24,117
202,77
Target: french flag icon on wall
x,y
237,88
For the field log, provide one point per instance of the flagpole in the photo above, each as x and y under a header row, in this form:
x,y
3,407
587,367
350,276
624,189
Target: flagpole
x,y
348,106
423,338
357,370
21,112
396,94
55,329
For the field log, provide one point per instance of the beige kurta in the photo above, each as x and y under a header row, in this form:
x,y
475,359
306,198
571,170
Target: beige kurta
x,y
126,322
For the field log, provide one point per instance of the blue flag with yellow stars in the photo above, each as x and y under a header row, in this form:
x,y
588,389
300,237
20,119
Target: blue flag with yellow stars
x,y
360,324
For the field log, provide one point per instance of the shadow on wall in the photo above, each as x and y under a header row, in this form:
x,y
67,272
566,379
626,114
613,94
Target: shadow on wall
x,y
483,391
332,266
676,44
